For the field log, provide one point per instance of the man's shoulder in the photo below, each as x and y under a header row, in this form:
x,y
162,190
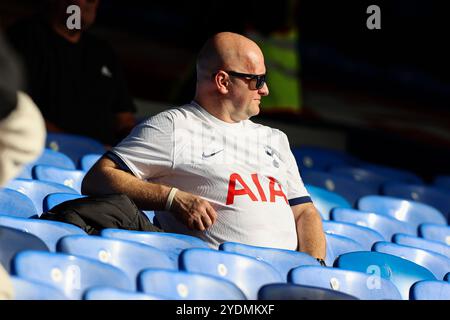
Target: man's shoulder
x,y
174,114
265,128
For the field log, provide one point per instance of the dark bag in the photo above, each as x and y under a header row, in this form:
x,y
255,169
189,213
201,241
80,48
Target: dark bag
x,y
95,213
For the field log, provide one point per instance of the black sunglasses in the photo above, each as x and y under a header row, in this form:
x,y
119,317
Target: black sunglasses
x,y
256,80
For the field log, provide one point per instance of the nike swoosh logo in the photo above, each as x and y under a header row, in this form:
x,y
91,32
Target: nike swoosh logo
x,y
211,154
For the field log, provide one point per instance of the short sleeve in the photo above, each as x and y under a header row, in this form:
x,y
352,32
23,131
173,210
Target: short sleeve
x,y
296,191
148,150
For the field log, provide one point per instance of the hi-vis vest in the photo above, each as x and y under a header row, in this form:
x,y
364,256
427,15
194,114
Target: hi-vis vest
x,y
283,70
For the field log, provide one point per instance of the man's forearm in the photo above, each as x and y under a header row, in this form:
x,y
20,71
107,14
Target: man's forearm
x,y
311,238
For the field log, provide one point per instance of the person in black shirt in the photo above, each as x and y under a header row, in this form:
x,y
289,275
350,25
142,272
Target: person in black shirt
x,y
73,76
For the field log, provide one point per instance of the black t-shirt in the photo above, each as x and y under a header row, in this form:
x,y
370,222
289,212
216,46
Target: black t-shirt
x,y
77,86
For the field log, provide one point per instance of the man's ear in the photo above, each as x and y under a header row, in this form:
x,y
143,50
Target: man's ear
x,y
222,82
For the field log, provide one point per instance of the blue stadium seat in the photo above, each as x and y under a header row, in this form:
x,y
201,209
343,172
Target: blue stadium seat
x,y
435,246
392,173
32,290
363,235
384,225
430,290
337,245
289,291
408,211
434,197
170,243
435,232
281,259
88,160
48,157
68,177
403,273
442,182
358,284
325,200
129,256
70,274
53,199
37,190
344,186
13,241
361,175
247,273
435,262
447,277
48,231
74,146
319,158
14,203
176,285
110,293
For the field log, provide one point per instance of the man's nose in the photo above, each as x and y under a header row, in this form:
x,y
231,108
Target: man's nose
x,y
264,91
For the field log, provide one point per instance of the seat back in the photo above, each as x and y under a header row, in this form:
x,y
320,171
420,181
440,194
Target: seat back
x,y
436,232
325,200
32,290
393,173
442,182
48,157
436,263
53,199
13,241
435,246
171,243
70,274
403,273
14,203
318,158
282,260
430,290
408,211
358,284
337,245
68,177
48,231
246,273
289,291
375,180
187,285
110,293
384,225
88,160
364,236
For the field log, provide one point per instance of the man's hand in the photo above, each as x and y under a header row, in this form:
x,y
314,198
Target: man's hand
x,y
196,213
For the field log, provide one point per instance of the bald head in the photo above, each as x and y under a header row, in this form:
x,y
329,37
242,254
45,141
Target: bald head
x,y
228,51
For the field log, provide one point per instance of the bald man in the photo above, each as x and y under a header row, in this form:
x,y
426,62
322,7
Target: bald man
x,y
209,171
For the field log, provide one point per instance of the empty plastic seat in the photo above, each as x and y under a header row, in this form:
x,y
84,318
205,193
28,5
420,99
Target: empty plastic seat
x,y
14,203
393,173
435,246
109,293
325,201
129,256
403,273
74,146
344,186
13,241
358,284
53,199
48,157
435,232
37,190
32,290
436,263
178,285
311,157
281,259
337,245
408,211
88,160
430,290
247,273
442,182
375,180
170,243
384,225
48,231
289,291
67,177
363,235
70,274
432,196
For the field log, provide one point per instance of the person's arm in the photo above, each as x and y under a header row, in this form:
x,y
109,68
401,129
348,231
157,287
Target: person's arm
x,y
310,235
106,177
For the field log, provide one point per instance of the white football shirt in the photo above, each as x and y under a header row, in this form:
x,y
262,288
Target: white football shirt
x,y
245,170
